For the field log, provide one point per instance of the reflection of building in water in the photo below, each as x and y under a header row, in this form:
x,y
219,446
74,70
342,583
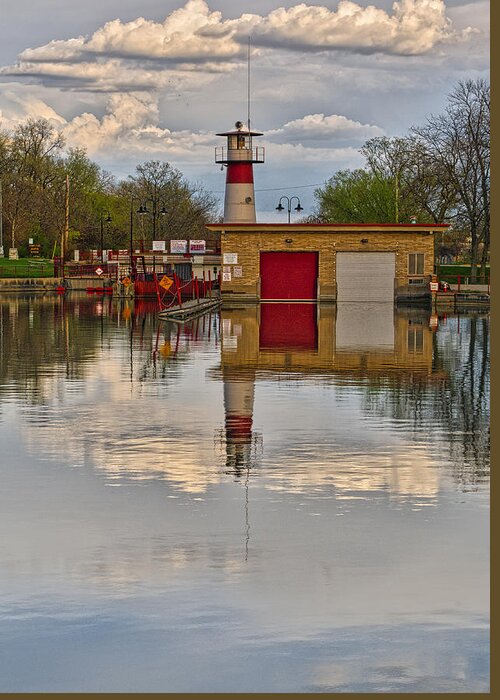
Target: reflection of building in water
x,y
371,340
375,342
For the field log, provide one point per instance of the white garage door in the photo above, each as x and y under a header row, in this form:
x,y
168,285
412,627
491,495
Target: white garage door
x,y
365,276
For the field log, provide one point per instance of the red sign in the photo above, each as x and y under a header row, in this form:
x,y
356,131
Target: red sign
x,y
196,246
99,271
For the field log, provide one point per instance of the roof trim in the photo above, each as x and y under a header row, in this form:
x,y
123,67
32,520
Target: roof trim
x,y
323,227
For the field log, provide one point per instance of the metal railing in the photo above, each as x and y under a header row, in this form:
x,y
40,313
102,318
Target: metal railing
x,y
255,154
466,280
27,268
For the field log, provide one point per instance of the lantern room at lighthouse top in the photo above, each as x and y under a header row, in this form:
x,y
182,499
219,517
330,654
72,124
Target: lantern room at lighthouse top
x,y
239,146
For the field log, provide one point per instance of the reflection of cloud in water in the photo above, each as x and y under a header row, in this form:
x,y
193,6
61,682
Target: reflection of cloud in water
x,y
407,470
96,422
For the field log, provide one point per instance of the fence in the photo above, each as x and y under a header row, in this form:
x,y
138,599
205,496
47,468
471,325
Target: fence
x,y
184,290
466,280
26,268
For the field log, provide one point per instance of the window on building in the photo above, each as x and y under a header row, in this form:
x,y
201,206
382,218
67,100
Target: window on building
x,y
416,263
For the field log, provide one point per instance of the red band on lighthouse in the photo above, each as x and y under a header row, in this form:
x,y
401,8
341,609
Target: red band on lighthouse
x,y
239,173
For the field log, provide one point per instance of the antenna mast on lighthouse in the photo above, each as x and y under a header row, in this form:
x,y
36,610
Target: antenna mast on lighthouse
x,y
239,156
248,84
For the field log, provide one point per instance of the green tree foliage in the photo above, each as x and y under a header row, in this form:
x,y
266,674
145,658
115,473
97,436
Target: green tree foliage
x,y
356,196
33,172
28,174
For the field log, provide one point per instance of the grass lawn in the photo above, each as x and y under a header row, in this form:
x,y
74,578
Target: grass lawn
x,y
450,273
26,267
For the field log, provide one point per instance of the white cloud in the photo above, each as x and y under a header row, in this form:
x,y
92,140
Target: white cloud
x,y
194,42
130,129
318,130
16,107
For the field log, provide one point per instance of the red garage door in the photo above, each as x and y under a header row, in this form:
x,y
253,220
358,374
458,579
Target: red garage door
x,y
288,275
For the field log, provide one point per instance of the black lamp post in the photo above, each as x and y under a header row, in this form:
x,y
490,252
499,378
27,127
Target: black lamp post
x,y
289,200
131,241
144,210
108,220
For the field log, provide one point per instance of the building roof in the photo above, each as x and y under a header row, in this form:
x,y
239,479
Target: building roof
x,y
241,130
327,228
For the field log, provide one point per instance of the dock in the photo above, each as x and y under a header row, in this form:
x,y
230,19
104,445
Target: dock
x,y
190,309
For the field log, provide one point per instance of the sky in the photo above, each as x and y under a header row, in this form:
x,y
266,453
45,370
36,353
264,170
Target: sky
x,y
133,81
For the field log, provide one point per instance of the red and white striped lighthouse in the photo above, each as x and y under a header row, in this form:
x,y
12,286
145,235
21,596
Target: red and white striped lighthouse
x,y
239,156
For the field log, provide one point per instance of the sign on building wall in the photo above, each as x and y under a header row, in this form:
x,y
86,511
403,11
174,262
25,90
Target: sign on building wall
x,y
226,276
159,245
178,246
230,259
237,271
196,246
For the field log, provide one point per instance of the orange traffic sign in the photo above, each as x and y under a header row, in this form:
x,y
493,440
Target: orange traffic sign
x,y
166,282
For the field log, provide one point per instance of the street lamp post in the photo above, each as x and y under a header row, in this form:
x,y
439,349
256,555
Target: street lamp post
x,y
289,200
131,242
108,220
144,210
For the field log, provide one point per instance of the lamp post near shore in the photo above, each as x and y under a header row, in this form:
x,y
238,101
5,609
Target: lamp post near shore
x,y
103,220
289,200
144,210
131,242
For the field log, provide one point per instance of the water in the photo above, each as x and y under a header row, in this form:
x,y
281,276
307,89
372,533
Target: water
x,y
258,501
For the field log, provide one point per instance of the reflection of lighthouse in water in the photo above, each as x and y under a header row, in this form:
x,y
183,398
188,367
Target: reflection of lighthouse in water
x,y
241,442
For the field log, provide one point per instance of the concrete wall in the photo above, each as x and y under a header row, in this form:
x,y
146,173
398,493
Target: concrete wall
x,y
29,284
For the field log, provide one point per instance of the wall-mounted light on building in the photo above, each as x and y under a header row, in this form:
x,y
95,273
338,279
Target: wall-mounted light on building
x,y
288,240
364,240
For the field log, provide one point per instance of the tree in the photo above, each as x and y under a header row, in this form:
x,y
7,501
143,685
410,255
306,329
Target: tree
x,y
421,185
28,171
356,196
91,195
390,159
458,141
177,208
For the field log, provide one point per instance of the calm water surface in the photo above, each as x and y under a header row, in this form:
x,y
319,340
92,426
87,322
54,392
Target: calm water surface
x,y
270,499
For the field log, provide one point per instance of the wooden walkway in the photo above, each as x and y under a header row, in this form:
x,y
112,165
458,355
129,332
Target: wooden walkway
x,y
189,309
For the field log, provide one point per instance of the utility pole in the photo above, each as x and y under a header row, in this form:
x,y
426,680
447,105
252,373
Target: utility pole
x,y
65,234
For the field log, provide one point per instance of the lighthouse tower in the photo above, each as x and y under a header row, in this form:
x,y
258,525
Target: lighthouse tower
x,y
239,156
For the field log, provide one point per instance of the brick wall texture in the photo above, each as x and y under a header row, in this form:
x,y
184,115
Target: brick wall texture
x,y
248,245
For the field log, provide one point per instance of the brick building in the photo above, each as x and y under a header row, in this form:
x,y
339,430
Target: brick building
x,y
326,262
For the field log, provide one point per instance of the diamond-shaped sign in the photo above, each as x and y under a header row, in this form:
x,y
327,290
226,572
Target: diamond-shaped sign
x,y
99,271
166,282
